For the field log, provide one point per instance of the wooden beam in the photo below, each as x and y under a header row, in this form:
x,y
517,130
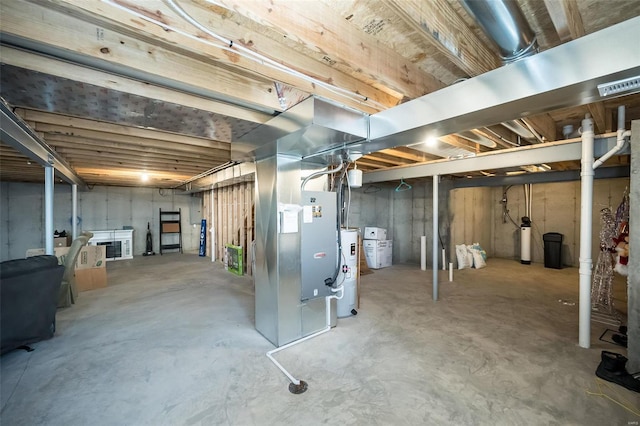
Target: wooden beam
x,y
68,142
116,156
142,166
55,140
131,140
566,18
118,129
385,158
544,125
598,114
439,24
334,39
371,162
62,30
176,34
508,138
410,154
459,142
130,170
48,65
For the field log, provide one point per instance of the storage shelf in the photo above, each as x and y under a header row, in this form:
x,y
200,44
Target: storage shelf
x,y
170,224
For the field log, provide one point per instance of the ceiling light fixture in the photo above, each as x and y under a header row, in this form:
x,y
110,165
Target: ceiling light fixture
x,y
144,177
431,141
631,84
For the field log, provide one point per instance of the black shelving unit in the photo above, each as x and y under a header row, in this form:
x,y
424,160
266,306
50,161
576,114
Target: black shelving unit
x,y
170,229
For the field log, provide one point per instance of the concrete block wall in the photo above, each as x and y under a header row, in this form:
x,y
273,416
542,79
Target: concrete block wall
x,y
555,208
22,214
407,215
471,219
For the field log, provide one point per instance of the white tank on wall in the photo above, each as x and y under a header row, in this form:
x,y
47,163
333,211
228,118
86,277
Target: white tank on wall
x,y
348,272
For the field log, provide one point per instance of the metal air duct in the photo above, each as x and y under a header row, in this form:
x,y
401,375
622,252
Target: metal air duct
x,y
505,24
307,129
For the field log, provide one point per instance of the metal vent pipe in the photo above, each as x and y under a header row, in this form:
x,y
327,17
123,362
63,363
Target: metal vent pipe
x,y
504,22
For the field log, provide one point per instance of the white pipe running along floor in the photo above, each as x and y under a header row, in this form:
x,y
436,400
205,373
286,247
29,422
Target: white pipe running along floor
x,y
172,341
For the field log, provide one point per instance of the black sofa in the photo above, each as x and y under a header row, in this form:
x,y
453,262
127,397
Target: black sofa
x,y
29,291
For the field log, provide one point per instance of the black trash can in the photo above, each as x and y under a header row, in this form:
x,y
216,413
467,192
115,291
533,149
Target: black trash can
x,y
553,250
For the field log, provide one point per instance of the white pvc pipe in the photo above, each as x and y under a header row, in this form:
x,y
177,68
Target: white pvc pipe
x,y
450,271
423,253
436,178
74,211
48,210
620,139
213,229
586,176
311,336
444,261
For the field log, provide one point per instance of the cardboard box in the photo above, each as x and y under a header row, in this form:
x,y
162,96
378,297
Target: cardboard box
x,y
91,268
91,278
91,257
91,265
58,251
61,241
378,253
373,233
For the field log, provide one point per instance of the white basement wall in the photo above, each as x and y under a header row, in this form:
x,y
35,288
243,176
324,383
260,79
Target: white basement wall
x,y
477,217
22,214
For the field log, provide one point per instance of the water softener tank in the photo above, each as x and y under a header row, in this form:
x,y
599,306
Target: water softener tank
x,y
525,241
348,276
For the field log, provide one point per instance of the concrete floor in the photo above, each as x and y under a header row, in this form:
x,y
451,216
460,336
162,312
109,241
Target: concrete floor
x,y
172,341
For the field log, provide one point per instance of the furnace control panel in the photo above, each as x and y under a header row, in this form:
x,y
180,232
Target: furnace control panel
x,y
319,242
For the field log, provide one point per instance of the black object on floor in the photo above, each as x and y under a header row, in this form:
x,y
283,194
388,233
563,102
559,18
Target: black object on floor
x,y
149,249
298,389
620,339
608,336
26,348
613,369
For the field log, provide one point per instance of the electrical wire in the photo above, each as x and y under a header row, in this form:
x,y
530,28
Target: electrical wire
x,y
348,202
599,384
238,49
6,404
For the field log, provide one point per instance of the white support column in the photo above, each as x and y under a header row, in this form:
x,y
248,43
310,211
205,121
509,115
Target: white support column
x,y
436,179
212,226
74,211
48,209
586,223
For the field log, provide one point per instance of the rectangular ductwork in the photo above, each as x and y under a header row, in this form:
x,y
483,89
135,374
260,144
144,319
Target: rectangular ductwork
x,y
311,127
562,77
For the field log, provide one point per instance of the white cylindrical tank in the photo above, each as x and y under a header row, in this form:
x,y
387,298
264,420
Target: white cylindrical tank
x,y
348,272
525,244
355,178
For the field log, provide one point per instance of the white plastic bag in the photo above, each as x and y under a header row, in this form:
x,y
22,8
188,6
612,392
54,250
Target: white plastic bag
x,y
462,254
478,259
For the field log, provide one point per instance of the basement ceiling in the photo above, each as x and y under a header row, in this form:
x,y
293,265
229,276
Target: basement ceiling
x,y
119,88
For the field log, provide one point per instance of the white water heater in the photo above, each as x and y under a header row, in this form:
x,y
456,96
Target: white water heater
x,y
525,241
348,272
